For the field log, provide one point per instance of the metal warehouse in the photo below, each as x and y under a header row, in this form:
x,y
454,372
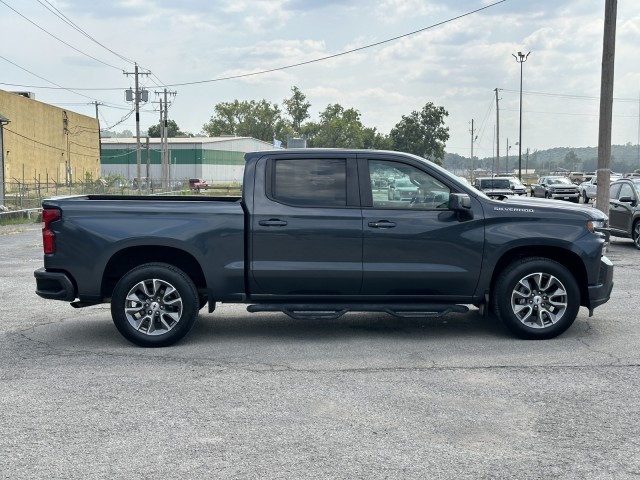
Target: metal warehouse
x,y
215,159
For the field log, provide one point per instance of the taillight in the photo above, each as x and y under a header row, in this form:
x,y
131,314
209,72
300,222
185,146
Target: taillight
x,y
48,237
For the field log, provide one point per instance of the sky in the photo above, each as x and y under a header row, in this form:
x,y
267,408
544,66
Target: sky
x,y
404,53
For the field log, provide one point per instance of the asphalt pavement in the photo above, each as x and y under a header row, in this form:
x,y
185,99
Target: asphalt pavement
x,y
262,396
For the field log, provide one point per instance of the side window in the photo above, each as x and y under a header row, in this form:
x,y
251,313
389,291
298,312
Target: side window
x,y
399,186
613,192
310,182
626,191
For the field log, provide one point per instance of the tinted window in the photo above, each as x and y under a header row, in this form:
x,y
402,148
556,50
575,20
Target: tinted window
x,y
310,182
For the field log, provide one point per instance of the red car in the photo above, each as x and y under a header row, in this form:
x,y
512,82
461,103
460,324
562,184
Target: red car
x,y
196,184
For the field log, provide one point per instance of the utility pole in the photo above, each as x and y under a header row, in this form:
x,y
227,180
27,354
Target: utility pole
x,y
164,136
521,58
137,96
606,105
497,134
472,131
99,135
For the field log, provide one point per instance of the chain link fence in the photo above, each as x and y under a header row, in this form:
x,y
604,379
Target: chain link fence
x,y
23,201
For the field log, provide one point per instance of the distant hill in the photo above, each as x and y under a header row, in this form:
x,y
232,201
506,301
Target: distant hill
x,y
624,159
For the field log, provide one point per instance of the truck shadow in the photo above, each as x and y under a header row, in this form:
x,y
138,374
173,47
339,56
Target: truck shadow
x,y
215,327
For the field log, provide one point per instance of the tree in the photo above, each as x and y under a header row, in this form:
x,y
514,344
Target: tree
x,y
422,133
571,160
297,108
154,131
261,120
338,128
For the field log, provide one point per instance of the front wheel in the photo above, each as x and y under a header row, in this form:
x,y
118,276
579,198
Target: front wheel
x,y
536,298
585,199
154,305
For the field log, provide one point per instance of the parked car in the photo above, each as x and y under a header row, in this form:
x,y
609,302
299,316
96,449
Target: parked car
x,y
402,189
494,186
624,209
197,184
588,189
556,187
517,187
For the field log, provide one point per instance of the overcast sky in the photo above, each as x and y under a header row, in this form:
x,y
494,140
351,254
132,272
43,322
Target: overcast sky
x,y
455,60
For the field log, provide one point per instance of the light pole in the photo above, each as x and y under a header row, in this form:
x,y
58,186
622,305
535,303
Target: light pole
x,y
520,58
506,168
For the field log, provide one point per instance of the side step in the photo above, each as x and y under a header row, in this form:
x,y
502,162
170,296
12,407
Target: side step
x,y
313,311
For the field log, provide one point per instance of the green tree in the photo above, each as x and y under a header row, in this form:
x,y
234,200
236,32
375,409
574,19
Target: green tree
x,y
297,108
154,131
422,133
376,140
338,128
262,120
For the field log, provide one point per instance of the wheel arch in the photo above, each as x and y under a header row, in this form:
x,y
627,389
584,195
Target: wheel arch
x,y
570,260
127,259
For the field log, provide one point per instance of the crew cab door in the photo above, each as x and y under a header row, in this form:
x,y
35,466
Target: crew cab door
x,y
417,247
306,226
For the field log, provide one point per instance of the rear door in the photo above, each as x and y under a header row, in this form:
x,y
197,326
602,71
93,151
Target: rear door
x,y
306,226
417,248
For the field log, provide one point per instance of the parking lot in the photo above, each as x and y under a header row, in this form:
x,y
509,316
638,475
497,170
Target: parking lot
x,y
264,396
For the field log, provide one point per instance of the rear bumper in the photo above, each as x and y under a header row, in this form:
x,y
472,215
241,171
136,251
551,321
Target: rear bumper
x,y
54,285
600,293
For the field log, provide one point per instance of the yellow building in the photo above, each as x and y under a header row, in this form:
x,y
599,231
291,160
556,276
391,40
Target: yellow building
x,y
42,144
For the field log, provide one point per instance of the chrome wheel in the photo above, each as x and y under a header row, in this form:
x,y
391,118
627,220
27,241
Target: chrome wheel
x,y
536,298
539,300
153,307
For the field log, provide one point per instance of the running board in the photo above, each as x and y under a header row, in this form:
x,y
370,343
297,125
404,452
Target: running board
x,y
313,311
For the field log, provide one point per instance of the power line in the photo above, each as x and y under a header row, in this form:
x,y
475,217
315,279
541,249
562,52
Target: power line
x,y
66,20
299,64
564,95
60,40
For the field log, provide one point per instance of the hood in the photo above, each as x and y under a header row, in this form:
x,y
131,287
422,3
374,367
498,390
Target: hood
x,y
534,202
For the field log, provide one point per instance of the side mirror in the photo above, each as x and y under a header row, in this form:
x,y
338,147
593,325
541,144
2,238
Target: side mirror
x,y
459,202
626,199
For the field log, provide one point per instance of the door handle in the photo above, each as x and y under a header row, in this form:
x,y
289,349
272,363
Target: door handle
x,y
382,224
274,222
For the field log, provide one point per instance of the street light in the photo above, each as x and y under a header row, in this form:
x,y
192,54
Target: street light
x,y
520,58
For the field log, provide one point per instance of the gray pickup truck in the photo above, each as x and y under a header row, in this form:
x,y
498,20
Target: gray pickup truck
x,y
316,234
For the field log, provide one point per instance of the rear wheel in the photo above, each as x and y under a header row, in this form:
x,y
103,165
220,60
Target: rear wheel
x,y
154,305
635,234
536,298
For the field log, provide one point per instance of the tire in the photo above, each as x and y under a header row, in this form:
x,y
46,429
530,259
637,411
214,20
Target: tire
x,y
635,234
585,199
154,305
547,195
536,298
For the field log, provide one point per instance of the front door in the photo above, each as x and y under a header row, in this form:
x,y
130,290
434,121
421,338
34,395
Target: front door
x,y
413,244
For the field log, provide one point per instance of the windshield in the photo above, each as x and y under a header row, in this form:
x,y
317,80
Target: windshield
x,y
494,183
559,181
